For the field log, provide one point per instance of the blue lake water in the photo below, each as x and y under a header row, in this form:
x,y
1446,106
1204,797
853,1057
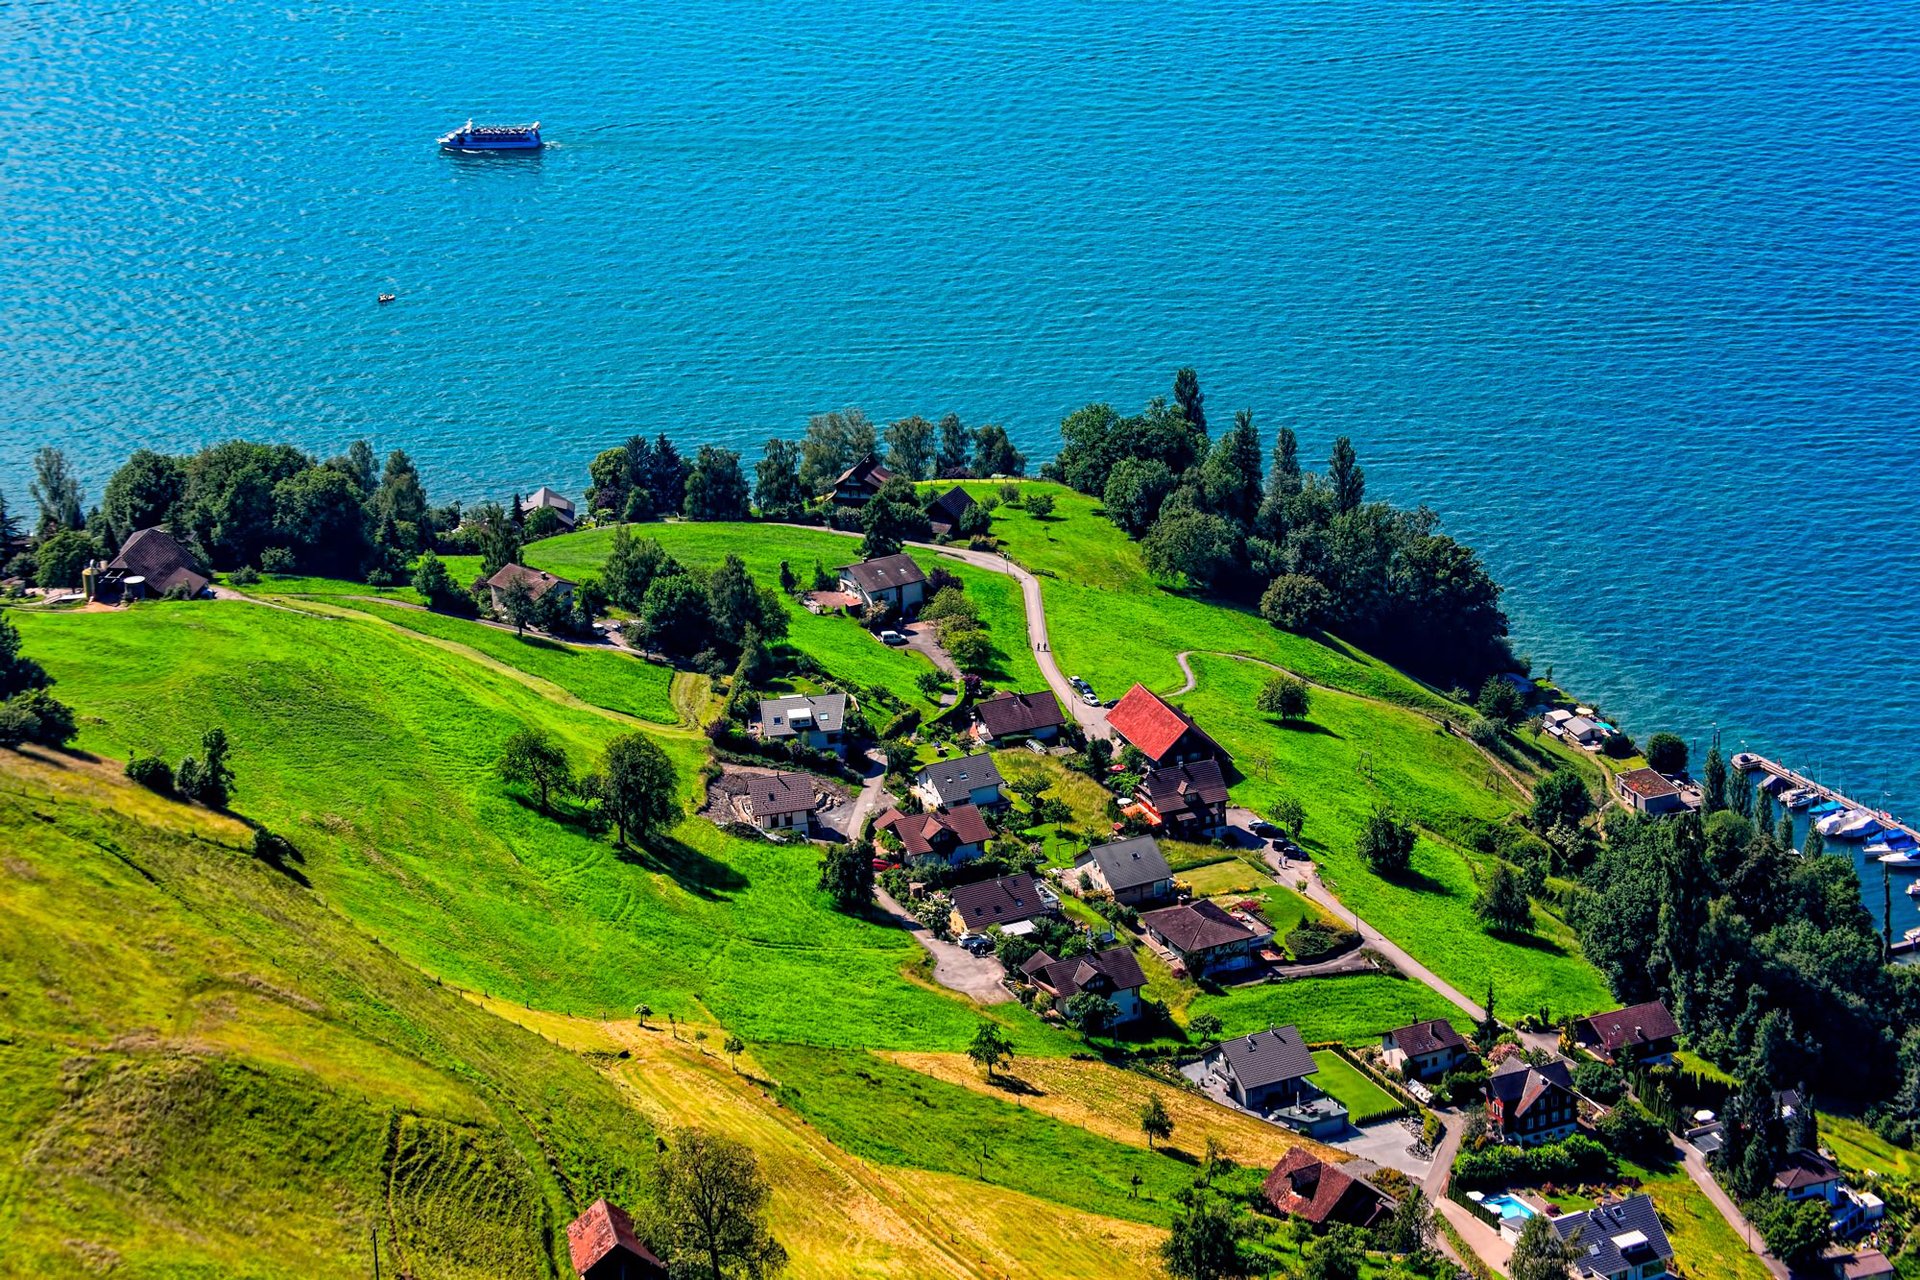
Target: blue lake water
x,y
1629,292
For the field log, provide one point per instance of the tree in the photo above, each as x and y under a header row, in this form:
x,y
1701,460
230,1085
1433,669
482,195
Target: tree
x,y
496,535
146,491
894,515
532,758
517,602
1296,602
60,559
435,585
710,1201
1666,753
1154,1120
716,488
1205,1241
1284,478
956,443
1503,904
910,448
632,566
676,615
1714,783
834,442
1206,1026
776,481
208,779
663,476
1039,505
1815,845
56,489
401,497
18,673
1348,479
1092,1013
1560,798
1796,1231
739,606
1230,477
1500,701
1540,1253
846,874
230,505
733,1046
1198,546
318,514
636,787
1134,490
1285,696
609,481
994,454
36,716
1410,1229
990,1048
1289,815
1188,398
1386,844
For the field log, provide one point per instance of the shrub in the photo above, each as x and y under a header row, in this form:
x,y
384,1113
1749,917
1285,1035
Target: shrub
x,y
36,716
150,772
276,560
1312,940
1599,1081
1462,1087
1575,1159
1632,1133
245,576
1386,844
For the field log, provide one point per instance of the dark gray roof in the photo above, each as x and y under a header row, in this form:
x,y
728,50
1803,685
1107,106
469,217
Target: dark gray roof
x,y
1178,788
1116,969
1609,1238
1427,1037
1128,864
956,780
1006,713
950,506
1007,900
1196,926
776,793
776,714
885,573
1268,1057
1519,1084
158,556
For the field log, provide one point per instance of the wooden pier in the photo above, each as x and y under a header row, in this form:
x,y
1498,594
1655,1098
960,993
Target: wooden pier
x,y
1753,762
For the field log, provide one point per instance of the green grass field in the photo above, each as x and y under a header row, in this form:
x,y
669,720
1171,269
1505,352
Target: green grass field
x,y
1364,1100
1352,1010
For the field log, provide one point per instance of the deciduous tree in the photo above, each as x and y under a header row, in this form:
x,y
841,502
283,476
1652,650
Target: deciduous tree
x,y
911,448
710,1206
146,491
531,757
990,1048
1155,1122
1285,696
776,481
636,788
716,488
1386,844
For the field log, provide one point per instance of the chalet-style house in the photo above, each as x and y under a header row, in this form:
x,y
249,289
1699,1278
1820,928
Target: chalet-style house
x,y
944,512
1202,939
1134,871
151,564
1166,734
856,486
1113,973
957,835
1648,791
1007,718
1804,1175
1425,1050
545,497
1866,1264
1639,1035
1009,902
1303,1185
1616,1240
1527,1105
890,580
817,721
1263,1071
780,802
604,1247
539,584
973,780
1188,800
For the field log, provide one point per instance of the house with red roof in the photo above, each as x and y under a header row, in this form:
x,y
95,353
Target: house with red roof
x,y
958,834
1303,1185
1163,732
604,1247
1528,1104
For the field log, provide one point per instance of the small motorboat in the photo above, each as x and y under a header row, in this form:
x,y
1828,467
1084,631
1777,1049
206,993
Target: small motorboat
x,y
1913,890
1799,797
1900,858
387,297
1824,808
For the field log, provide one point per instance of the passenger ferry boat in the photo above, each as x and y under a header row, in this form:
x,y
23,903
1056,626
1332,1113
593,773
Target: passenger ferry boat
x,y
494,137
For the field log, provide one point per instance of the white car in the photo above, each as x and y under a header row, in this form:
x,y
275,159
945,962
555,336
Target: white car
x,y
892,637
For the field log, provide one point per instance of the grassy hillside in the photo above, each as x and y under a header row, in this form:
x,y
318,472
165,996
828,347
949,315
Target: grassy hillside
x,y
203,1071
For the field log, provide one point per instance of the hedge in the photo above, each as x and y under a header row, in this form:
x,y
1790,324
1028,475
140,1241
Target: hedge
x,y
1575,1159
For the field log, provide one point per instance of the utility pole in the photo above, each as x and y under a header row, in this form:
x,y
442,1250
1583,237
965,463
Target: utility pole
x,y
373,1234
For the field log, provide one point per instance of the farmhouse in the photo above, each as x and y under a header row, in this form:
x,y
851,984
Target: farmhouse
x,y
1639,1035
957,834
1166,734
545,497
856,486
151,563
1189,800
1113,973
1303,1185
780,801
890,580
1265,1070
1134,871
1008,902
1649,791
944,512
1424,1050
603,1246
817,721
1203,939
1528,1105
1015,717
973,779
1620,1240
539,585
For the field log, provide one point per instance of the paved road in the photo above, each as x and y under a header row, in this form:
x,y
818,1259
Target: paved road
x,y
1697,1170
1481,1238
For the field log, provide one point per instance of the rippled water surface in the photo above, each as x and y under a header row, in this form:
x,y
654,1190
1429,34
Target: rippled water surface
x,y
1627,292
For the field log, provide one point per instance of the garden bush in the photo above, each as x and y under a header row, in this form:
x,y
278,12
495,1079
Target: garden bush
x,y
1575,1159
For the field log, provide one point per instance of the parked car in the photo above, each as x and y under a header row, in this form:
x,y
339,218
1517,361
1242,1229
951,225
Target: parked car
x,y
978,943
1264,829
1087,696
892,637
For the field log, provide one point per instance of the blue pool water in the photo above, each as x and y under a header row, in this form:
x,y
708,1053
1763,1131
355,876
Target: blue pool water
x,y
1629,292
1510,1207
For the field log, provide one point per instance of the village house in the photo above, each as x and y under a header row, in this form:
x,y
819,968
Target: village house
x,y
816,721
1163,732
957,835
1263,1071
1010,902
1189,800
1134,871
151,564
1583,731
1008,718
1804,1175
973,780
780,802
1425,1050
539,585
1866,1264
1616,1240
1528,1105
603,1246
894,580
945,511
545,497
1304,1186
1202,939
856,486
1639,1035
1649,792
1114,973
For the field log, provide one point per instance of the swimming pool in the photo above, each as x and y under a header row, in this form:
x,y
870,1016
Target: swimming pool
x,y
1510,1208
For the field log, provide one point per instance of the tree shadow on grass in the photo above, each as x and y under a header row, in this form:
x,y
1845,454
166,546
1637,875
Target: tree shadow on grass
x,y
1302,726
1014,1084
1179,1154
1531,941
1419,881
698,873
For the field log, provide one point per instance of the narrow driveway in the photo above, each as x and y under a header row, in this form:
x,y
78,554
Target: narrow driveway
x,y
1697,1170
954,967
1488,1243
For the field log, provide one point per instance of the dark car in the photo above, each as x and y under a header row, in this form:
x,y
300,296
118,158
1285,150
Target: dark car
x,y
1265,830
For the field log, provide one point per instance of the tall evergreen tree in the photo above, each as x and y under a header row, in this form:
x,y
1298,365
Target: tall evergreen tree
x,y
1284,479
57,489
1345,475
1187,396
1230,477
1715,780
776,481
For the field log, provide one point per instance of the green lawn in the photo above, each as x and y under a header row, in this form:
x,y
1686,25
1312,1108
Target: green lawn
x,y
1364,1100
1858,1147
1228,876
1352,1010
